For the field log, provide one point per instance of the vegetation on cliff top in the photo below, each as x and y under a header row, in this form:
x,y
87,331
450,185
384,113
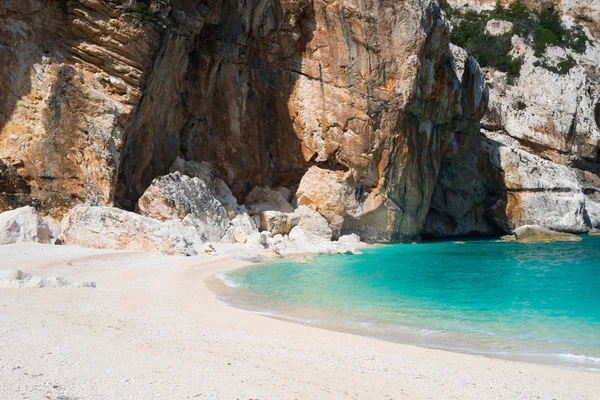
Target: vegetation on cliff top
x,y
146,12
541,29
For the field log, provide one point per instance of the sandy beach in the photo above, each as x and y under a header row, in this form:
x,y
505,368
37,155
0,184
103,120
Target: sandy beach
x,y
152,329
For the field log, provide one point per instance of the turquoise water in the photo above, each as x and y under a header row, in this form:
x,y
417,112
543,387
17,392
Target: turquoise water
x,y
537,302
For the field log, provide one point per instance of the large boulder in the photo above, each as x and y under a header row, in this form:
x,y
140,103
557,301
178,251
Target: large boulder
x,y
275,222
207,173
24,225
242,228
113,228
331,193
177,197
297,242
594,232
266,199
538,234
313,223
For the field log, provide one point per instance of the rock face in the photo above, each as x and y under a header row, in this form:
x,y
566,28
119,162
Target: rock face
x,y
74,70
537,160
112,228
363,110
537,234
24,225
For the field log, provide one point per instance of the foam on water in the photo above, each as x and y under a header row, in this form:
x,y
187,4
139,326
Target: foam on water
x,y
534,302
227,281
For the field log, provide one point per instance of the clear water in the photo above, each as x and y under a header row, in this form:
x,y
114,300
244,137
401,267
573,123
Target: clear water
x,y
537,302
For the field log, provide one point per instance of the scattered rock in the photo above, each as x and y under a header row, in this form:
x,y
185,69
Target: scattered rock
x,y
24,225
14,278
113,228
258,240
297,242
536,233
206,248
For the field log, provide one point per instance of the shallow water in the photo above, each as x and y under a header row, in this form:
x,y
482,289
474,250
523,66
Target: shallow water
x,y
533,302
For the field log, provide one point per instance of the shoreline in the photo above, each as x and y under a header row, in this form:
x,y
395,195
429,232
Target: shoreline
x,y
245,299
153,328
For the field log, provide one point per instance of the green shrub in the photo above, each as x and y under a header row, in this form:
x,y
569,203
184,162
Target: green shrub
x,y
543,38
520,105
562,68
147,13
541,29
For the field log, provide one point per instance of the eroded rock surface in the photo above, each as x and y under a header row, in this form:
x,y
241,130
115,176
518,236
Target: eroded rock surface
x,y
178,197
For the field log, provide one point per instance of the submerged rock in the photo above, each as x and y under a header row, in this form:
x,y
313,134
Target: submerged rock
x,y
112,228
24,225
536,233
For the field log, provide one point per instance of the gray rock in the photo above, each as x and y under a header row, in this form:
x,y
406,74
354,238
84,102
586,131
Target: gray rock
x,y
177,197
242,227
16,279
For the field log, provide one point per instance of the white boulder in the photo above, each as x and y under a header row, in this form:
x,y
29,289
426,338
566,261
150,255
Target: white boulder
x,y
313,223
497,27
242,227
266,199
24,225
275,222
113,228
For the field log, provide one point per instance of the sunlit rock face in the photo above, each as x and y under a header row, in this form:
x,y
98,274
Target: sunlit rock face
x,y
361,111
537,159
71,77
101,104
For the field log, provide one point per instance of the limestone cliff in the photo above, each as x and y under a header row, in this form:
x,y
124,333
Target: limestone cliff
x,y
537,160
362,109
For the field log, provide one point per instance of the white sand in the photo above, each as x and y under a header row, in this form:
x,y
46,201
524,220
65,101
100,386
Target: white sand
x,y
151,329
